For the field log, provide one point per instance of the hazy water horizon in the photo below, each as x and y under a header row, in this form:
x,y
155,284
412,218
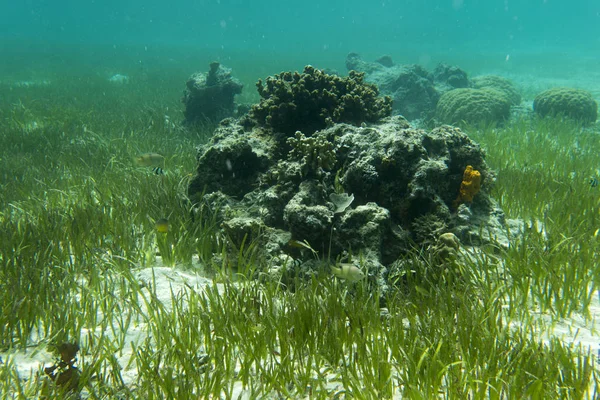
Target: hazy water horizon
x,y
263,37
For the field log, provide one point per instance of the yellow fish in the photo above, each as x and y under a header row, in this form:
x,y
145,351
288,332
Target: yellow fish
x,y
162,225
154,160
348,271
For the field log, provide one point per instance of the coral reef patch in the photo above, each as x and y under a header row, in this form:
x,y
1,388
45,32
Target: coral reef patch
x,y
414,90
314,100
410,86
473,106
371,191
576,104
417,93
500,84
448,77
210,96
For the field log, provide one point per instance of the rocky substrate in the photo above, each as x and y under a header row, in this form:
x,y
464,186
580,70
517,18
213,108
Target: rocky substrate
x,y
346,194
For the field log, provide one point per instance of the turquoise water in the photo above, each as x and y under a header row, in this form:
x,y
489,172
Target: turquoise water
x,y
273,35
316,25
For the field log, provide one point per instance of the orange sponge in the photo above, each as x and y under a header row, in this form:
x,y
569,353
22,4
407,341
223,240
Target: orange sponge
x,y
469,186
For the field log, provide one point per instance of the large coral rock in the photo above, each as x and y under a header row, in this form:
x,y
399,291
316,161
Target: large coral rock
x,y
307,215
404,183
473,106
233,161
369,227
577,104
210,96
500,84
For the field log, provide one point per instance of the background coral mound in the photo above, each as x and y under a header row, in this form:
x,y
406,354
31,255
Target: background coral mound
x,y
577,104
473,106
314,100
414,90
210,96
499,83
410,86
450,76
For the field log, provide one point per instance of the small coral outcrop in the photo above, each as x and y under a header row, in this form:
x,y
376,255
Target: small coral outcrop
x,y
472,106
315,154
576,104
446,248
450,77
500,84
210,96
314,100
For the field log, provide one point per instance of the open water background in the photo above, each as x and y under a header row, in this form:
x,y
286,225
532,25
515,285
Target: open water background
x,y
41,38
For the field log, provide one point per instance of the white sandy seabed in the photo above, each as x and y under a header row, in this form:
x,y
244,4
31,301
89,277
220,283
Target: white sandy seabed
x,y
578,330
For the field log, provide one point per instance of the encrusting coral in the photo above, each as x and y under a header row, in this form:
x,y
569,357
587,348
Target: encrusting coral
x,y
314,100
469,187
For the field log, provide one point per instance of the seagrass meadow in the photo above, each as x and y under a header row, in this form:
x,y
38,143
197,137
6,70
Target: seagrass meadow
x,y
155,317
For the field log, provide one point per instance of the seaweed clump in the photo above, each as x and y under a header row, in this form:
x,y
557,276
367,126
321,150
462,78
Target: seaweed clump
x,y
64,373
314,100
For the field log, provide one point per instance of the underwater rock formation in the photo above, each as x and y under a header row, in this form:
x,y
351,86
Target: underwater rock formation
x,y
448,77
354,62
313,100
473,106
370,192
410,86
576,104
500,84
210,96
415,91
